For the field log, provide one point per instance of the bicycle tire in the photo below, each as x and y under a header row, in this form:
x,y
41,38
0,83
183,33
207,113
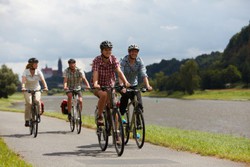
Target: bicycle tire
x,y
78,120
35,120
126,128
72,120
117,131
102,133
31,126
139,128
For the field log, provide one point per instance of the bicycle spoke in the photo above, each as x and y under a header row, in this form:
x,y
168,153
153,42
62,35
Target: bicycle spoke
x,y
118,135
139,129
78,120
102,134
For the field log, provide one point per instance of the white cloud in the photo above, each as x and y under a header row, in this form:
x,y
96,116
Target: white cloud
x,y
169,27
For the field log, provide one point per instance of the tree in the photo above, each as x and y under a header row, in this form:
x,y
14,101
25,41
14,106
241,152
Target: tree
x,y
8,82
159,81
231,74
190,79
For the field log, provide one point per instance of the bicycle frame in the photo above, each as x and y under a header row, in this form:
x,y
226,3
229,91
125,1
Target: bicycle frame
x,y
76,119
35,108
136,124
113,123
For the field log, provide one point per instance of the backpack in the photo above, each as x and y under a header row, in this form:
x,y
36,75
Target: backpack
x,y
64,106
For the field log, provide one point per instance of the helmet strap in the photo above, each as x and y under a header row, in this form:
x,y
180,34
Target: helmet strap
x,y
105,57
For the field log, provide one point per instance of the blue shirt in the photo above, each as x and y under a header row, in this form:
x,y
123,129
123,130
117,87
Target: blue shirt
x,y
131,72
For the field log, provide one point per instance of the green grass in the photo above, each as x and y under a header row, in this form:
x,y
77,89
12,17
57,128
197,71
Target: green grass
x,y
227,94
224,94
207,144
10,159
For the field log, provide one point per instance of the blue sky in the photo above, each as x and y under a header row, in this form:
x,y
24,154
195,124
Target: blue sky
x,y
164,29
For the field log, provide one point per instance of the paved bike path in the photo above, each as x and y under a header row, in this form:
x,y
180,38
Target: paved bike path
x,y
56,146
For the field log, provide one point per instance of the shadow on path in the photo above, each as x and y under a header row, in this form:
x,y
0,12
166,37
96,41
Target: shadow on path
x,y
92,150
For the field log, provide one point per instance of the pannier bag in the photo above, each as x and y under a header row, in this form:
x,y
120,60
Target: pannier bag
x,y
42,107
64,106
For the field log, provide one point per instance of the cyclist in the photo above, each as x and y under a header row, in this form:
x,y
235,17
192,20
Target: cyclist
x,y
132,65
30,81
104,67
73,78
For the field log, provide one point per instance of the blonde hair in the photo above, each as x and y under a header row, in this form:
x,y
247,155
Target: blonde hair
x,y
29,66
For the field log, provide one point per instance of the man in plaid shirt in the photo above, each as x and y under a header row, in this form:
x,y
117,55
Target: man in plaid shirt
x,y
104,68
73,78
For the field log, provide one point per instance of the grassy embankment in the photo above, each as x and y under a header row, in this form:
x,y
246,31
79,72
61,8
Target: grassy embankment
x,y
227,94
207,144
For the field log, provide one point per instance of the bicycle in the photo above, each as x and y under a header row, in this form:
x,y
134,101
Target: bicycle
x,y
35,116
135,121
76,118
112,124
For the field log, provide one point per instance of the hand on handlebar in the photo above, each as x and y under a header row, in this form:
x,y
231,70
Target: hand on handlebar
x,y
97,86
149,88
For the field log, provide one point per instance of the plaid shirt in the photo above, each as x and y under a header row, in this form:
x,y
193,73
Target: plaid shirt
x,y
74,79
106,71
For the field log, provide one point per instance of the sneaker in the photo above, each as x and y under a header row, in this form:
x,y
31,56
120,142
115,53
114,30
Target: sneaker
x,y
118,141
69,116
27,123
124,121
138,135
100,121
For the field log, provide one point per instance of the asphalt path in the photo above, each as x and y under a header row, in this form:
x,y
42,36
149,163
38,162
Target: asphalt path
x,y
56,146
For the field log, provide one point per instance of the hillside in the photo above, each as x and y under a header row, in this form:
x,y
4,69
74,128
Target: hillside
x,y
236,53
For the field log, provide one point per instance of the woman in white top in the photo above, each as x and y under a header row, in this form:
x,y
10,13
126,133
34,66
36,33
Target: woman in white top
x,y
30,81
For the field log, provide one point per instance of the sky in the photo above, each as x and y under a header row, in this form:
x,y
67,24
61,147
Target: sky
x,y
163,29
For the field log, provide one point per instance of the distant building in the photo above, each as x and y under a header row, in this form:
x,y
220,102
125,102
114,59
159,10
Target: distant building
x,y
49,72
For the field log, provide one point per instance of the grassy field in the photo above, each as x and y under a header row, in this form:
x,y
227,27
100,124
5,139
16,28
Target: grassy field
x,y
225,94
207,144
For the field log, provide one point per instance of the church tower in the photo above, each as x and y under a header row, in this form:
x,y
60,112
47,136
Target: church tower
x,y
59,72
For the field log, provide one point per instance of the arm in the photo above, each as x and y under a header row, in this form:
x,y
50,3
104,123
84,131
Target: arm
x,y
86,82
146,82
95,79
44,84
122,77
43,80
23,83
65,84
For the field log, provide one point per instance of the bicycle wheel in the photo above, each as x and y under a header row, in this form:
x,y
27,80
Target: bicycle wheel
x,y
126,128
118,135
72,120
102,133
139,129
35,120
78,119
31,127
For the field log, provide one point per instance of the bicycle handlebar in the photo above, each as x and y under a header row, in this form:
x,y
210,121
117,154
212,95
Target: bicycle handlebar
x,y
33,91
73,90
135,89
104,88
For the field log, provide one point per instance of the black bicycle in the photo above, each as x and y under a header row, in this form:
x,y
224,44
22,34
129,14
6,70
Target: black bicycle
x,y
76,118
112,123
135,120
35,116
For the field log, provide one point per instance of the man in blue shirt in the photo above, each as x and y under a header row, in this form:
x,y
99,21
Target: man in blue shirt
x,y
132,66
